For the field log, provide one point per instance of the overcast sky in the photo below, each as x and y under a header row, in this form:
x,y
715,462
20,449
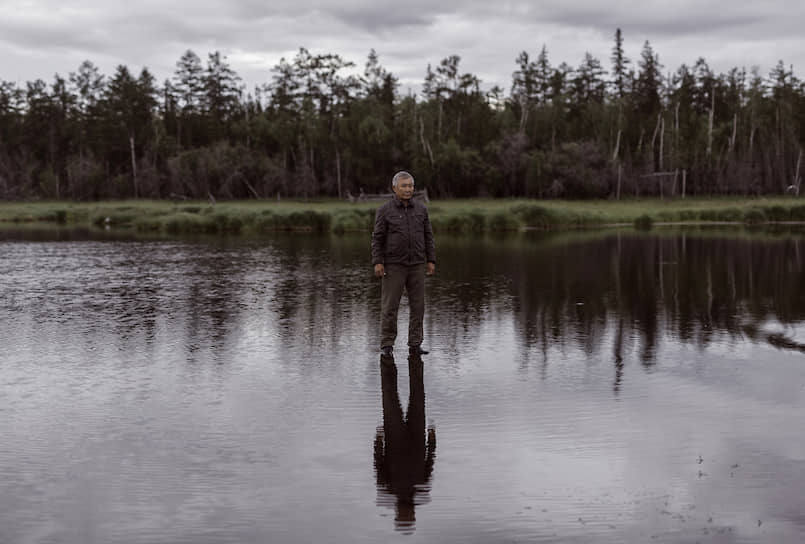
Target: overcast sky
x,y
39,38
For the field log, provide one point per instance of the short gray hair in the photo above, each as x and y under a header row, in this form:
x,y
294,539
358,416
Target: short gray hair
x,y
402,174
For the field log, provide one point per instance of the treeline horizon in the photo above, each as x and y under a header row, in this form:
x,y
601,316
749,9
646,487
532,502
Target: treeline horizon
x,y
321,128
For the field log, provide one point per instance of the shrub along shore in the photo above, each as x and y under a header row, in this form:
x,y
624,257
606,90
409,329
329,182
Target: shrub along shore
x,y
467,215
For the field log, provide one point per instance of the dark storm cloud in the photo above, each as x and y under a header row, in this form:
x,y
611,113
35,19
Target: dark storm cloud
x,y
47,34
378,20
40,37
653,18
646,24
364,15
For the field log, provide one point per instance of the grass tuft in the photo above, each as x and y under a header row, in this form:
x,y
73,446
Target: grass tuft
x,y
533,215
352,221
754,216
502,221
644,222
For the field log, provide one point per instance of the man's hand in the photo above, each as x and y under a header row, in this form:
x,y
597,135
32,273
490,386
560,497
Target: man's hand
x,y
431,269
380,270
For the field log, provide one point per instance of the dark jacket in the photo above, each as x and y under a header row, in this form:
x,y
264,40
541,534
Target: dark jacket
x,y
403,234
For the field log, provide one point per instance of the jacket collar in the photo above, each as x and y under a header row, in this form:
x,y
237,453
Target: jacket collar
x,y
399,203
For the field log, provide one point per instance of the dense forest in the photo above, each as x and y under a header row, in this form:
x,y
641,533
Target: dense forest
x,y
323,127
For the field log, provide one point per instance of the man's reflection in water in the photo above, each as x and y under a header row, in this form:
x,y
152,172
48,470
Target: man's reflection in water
x,y
403,456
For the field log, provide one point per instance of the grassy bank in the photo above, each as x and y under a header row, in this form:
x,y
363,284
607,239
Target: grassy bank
x,y
474,215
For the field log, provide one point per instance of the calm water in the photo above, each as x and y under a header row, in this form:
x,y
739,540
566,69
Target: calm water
x,y
611,387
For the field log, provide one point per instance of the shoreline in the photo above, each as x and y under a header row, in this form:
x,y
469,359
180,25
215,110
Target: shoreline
x,y
461,215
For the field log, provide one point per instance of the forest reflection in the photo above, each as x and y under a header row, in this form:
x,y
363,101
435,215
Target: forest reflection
x,y
691,288
603,294
600,295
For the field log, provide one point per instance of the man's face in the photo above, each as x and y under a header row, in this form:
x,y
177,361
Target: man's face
x,y
404,189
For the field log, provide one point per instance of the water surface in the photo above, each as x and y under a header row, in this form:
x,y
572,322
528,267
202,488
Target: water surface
x,y
604,387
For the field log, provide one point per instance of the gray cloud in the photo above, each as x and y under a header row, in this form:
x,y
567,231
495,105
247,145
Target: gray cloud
x,y
44,36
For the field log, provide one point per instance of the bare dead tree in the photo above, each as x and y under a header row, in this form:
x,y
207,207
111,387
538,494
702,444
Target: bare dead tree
x,y
133,166
684,181
734,133
654,138
617,146
676,130
338,170
662,139
425,145
710,124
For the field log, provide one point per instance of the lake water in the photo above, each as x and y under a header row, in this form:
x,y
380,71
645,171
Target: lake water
x,y
591,387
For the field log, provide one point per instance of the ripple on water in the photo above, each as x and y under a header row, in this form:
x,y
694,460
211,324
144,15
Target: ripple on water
x,y
231,392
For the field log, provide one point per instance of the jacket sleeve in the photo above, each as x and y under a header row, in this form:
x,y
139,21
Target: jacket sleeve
x,y
430,244
379,237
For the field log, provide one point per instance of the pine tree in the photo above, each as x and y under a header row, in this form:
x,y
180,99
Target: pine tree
x,y
649,81
221,87
619,66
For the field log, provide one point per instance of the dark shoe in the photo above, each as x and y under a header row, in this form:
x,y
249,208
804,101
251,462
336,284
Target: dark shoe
x,y
417,350
387,351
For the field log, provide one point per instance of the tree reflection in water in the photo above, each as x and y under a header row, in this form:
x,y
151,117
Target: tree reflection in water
x,y
623,294
618,295
403,455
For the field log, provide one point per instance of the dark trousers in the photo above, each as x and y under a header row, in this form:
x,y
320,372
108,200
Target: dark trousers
x,y
412,279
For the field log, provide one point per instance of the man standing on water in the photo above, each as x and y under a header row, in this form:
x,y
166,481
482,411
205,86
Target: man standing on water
x,y
403,252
